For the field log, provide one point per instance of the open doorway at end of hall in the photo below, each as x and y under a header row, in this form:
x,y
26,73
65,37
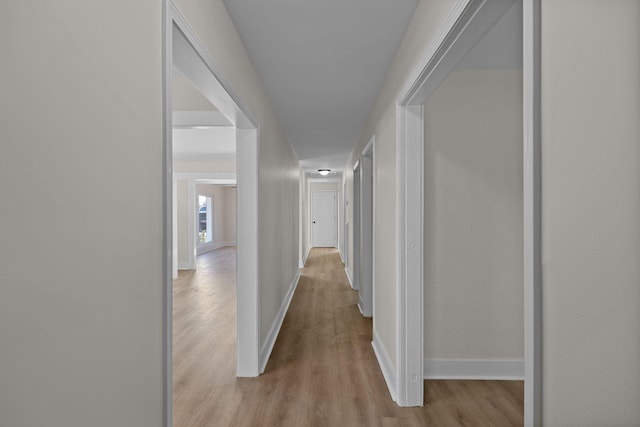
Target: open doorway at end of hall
x,y
204,220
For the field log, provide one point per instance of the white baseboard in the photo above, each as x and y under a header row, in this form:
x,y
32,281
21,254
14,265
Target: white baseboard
x,y
360,305
208,247
474,369
385,365
267,348
346,270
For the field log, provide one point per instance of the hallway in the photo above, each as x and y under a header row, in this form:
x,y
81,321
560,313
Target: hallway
x,y
322,370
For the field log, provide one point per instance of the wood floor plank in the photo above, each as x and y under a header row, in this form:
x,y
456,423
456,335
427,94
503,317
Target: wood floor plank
x,y
322,371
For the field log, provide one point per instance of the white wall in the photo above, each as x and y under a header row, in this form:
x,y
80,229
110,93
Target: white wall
x,y
81,209
279,166
425,22
347,197
473,291
591,212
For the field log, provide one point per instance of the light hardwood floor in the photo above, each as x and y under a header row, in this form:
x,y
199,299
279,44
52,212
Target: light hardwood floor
x,y
322,371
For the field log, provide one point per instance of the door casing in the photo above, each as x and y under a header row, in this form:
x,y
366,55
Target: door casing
x,y
366,275
466,24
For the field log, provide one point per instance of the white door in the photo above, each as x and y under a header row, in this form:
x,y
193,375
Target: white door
x,y
323,219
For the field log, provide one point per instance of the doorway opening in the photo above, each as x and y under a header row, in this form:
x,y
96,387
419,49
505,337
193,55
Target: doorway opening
x,y
472,213
186,57
469,22
357,220
321,198
365,211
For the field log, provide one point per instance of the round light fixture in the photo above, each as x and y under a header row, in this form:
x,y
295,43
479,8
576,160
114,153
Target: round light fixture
x,y
324,172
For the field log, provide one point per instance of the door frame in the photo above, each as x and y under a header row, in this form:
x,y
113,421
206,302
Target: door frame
x,y
220,92
355,262
367,230
466,24
335,216
344,251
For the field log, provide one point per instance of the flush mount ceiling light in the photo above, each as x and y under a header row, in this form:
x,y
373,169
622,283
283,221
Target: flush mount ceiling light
x,y
324,172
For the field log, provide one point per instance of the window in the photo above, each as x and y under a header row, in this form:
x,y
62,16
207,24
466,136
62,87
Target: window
x,y
205,219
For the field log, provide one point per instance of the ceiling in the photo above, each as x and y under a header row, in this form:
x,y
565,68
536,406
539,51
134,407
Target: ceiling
x,y
322,64
211,143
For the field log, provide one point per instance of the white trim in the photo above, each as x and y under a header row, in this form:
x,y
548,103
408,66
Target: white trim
x,y
205,157
368,149
348,274
366,276
167,216
267,348
301,218
467,22
192,224
474,369
220,178
532,219
355,230
385,366
344,243
248,256
212,246
174,228
409,241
